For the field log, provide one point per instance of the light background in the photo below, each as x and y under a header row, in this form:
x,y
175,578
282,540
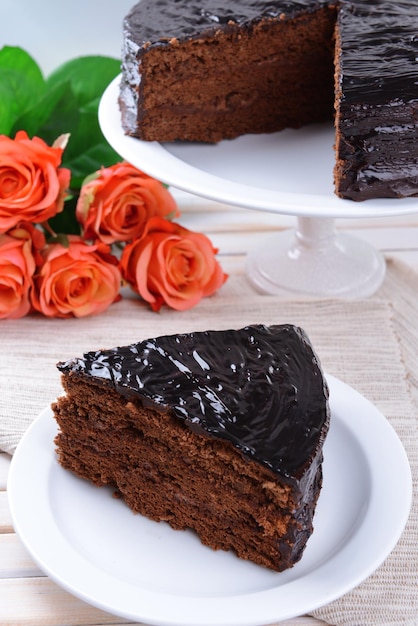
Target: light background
x,y
52,31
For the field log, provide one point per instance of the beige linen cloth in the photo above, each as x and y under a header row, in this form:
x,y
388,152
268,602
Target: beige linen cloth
x,y
370,344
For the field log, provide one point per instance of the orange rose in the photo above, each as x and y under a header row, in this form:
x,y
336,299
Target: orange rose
x,y
19,251
116,205
77,280
32,185
172,265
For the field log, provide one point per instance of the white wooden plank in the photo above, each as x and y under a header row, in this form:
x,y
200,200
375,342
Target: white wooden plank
x,y
6,525
409,257
16,561
35,601
389,239
31,602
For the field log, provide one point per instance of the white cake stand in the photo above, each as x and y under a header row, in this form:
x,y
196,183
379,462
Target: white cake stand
x,y
285,173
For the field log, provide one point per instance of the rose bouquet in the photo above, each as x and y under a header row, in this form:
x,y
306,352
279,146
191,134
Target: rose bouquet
x,y
68,243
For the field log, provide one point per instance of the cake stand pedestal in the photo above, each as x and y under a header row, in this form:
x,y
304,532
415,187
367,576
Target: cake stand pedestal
x,y
314,260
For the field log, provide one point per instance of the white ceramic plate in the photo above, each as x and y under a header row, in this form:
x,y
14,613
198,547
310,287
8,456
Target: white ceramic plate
x,y
290,172
93,546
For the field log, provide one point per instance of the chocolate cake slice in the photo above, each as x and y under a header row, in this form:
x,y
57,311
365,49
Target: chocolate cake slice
x,y
220,432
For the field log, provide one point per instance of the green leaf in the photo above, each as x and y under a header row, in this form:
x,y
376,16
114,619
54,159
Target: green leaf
x,y
9,109
15,58
85,134
45,117
87,150
89,76
64,116
21,83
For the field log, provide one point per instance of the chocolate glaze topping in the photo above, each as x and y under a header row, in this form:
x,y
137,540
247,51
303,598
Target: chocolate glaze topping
x,y
260,388
379,98
159,20
379,40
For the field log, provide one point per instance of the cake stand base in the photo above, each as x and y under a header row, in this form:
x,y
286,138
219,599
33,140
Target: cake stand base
x,y
313,260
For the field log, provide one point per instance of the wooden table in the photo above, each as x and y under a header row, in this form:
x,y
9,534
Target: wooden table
x,y
27,597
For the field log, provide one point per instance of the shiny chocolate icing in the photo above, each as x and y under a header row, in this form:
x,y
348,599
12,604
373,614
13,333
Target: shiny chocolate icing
x,y
379,51
157,21
261,388
378,107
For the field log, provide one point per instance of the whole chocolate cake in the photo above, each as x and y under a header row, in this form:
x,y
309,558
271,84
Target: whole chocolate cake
x,y
207,71
219,431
